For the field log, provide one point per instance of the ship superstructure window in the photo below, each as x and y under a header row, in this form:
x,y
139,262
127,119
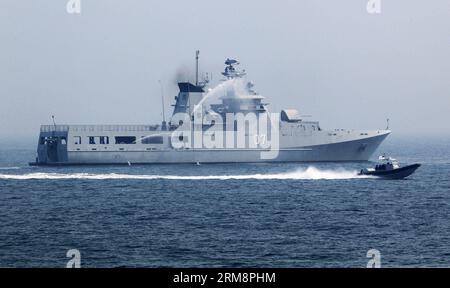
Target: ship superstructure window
x,y
125,139
104,140
91,140
152,140
77,140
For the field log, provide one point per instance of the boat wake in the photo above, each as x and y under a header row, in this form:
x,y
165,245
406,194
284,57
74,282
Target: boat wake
x,y
310,173
10,168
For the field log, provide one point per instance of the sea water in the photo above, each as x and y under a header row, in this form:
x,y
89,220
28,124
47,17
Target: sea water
x,y
226,215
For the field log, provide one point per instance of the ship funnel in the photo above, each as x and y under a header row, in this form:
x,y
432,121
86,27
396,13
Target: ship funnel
x,y
189,96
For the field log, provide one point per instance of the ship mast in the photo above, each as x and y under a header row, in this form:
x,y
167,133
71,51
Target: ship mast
x,y
196,67
163,124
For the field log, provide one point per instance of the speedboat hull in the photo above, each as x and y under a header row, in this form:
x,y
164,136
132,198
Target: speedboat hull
x,y
397,173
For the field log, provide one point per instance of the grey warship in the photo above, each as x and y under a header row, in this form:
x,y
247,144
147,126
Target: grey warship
x,y
202,133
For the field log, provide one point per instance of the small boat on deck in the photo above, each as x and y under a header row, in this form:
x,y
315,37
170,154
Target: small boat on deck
x,y
389,168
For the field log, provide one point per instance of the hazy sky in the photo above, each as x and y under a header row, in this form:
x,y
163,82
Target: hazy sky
x,y
329,59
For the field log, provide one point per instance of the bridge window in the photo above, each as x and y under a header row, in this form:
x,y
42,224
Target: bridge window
x,y
91,140
152,140
104,140
125,140
77,140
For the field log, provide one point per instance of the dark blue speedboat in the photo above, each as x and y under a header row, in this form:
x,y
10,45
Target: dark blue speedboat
x,y
389,168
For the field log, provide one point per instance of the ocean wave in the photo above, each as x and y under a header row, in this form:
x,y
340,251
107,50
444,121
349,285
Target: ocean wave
x,y
311,173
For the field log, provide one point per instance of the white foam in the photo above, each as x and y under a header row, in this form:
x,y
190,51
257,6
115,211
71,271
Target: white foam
x,y
311,173
231,87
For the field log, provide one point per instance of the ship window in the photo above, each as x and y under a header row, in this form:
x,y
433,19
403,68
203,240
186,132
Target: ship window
x,y
125,140
42,141
104,140
152,140
77,140
91,140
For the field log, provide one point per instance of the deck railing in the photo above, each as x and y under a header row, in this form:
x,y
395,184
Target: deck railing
x,y
93,128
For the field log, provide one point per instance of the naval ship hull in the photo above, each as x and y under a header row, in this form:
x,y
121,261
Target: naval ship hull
x,y
347,150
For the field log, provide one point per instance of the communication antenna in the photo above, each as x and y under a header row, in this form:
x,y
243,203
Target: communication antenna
x,y
196,67
163,126
54,126
387,122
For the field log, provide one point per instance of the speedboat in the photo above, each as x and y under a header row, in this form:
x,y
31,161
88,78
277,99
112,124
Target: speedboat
x,y
389,168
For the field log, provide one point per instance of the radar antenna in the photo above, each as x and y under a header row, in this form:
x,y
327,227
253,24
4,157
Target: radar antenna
x,y
231,71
